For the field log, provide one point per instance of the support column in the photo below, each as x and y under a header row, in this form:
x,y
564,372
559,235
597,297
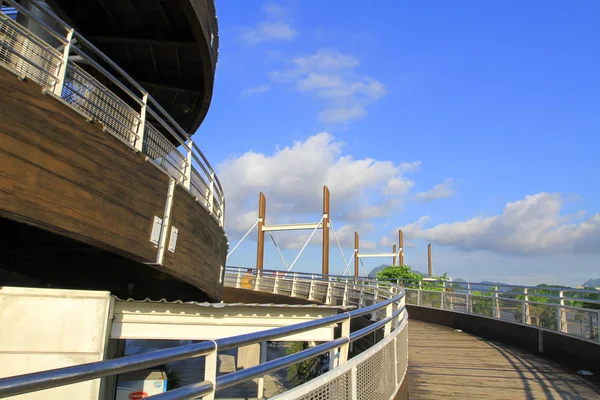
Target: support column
x,y
260,251
401,243
356,254
429,266
325,230
394,258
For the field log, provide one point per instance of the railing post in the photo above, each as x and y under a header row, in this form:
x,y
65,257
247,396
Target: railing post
x,y
388,314
294,280
238,280
141,128
343,357
344,299
469,305
210,201
496,304
258,278
328,295
361,301
354,375
187,183
526,313
443,299
61,74
311,288
561,317
261,380
419,299
276,284
210,373
375,293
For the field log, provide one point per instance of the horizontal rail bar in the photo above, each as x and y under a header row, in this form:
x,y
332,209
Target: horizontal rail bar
x,y
261,369
41,23
32,382
371,255
186,392
292,227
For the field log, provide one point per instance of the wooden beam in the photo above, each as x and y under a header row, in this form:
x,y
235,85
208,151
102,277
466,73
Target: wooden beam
x,y
153,57
326,230
429,266
401,244
260,250
394,258
169,88
143,42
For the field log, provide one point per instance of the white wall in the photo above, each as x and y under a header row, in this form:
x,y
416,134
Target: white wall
x,y
42,329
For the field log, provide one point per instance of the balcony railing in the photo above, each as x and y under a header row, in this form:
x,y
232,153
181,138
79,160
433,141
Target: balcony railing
x,y
574,312
376,373
71,68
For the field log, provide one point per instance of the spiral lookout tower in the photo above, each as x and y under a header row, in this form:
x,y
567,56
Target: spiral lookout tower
x,y
112,230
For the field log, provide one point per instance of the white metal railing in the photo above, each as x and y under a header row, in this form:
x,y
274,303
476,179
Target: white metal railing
x,y
376,373
61,62
568,311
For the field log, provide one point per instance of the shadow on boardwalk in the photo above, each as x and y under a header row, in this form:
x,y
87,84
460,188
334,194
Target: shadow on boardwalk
x,y
444,363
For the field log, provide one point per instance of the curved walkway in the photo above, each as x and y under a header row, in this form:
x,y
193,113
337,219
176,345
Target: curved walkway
x,y
445,363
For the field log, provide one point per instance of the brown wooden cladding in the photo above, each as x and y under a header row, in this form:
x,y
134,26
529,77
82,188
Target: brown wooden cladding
x,y
65,175
201,245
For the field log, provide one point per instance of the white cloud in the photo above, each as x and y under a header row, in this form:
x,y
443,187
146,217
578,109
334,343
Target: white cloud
x,y
440,191
255,90
331,76
292,178
277,26
532,225
268,31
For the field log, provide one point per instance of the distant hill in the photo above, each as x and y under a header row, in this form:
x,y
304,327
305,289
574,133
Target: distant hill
x,y
592,283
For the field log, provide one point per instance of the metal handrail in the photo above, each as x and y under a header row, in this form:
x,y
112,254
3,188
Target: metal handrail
x,y
62,376
214,199
524,305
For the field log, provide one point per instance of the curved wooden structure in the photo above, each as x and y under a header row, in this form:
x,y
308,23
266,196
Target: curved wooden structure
x,y
169,46
92,194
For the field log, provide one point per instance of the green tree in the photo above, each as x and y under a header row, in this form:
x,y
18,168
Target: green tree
x,y
402,273
306,370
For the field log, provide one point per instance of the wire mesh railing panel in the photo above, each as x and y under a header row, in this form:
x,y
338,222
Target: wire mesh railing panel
x,y
198,186
26,55
544,315
85,93
456,302
339,388
375,376
431,298
401,353
162,152
482,305
510,310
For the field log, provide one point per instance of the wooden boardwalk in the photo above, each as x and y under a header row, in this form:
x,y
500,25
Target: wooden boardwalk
x,y
444,363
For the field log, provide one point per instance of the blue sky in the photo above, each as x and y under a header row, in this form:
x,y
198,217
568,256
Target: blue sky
x,y
471,125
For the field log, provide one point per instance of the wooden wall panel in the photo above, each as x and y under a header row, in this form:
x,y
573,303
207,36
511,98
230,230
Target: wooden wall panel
x,y
201,245
66,175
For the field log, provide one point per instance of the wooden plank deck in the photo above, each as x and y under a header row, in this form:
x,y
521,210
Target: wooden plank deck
x,y
444,363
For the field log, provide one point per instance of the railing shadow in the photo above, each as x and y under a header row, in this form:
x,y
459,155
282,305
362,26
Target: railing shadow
x,y
544,378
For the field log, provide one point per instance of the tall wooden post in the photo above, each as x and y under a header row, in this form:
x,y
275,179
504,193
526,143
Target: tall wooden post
x,y
401,243
325,230
260,251
356,254
429,267
394,258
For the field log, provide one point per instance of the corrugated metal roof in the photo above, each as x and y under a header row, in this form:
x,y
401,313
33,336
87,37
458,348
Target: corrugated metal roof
x,y
223,305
